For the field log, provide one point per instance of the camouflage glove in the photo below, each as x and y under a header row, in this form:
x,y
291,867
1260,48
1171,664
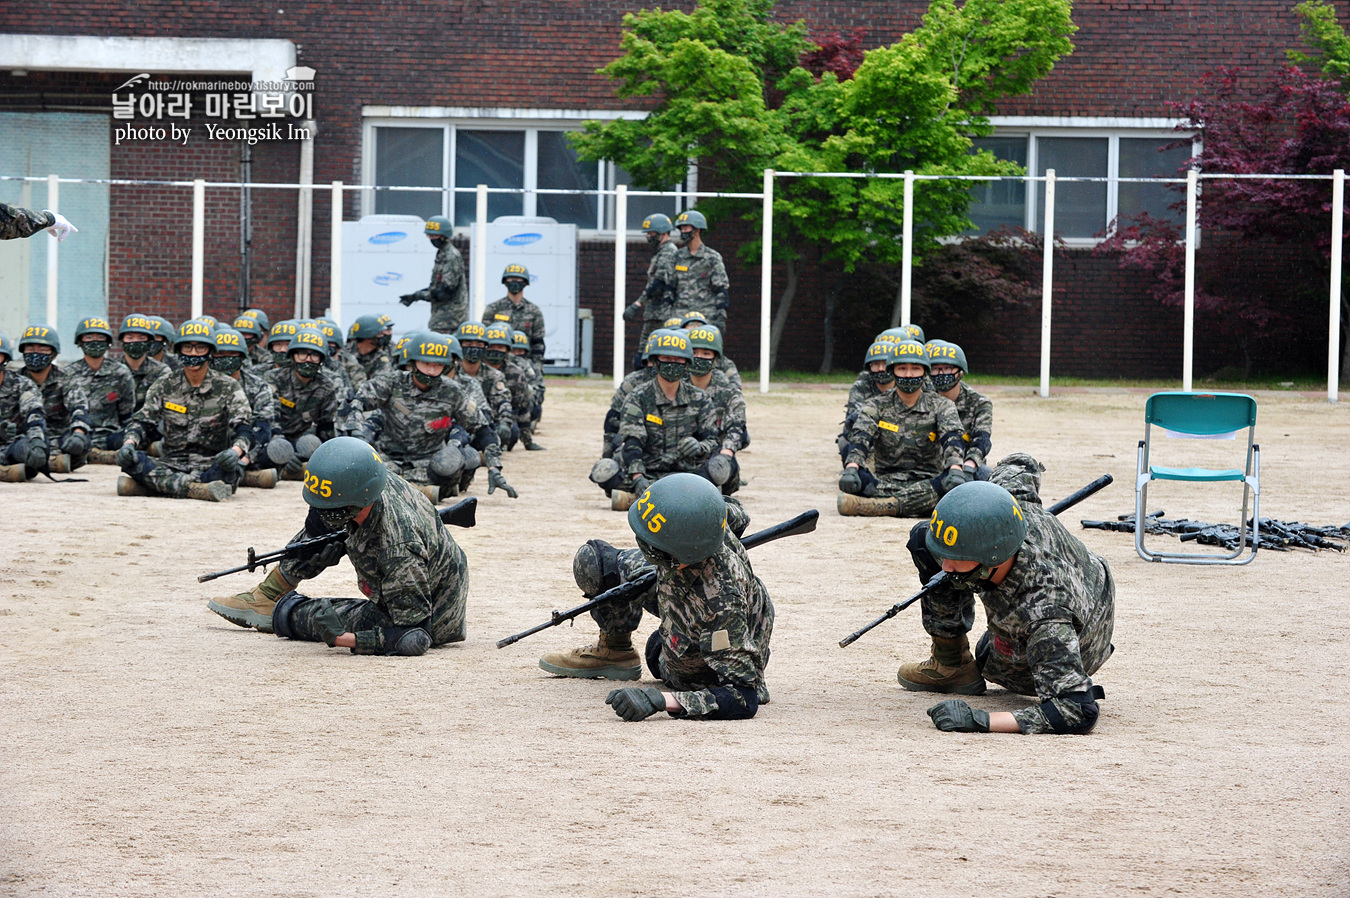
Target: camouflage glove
x,y
228,462
327,623
36,456
954,478
858,482
126,456
496,481
641,484
955,716
635,702
689,449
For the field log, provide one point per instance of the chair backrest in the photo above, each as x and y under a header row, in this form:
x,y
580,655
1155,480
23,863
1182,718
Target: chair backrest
x,y
1205,414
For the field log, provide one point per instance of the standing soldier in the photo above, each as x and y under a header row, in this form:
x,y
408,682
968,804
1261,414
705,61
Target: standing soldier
x,y
23,425
64,404
205,419
696,273
654,305
448,291
416,577
108,387
518,313
1049,604
17,223
137,336
977,413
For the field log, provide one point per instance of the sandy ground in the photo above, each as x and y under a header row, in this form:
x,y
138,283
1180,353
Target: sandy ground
x,y
149,747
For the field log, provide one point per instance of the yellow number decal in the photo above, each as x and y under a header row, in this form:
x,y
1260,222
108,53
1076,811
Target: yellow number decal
x,y
949,536
326,489
654,525
1017,510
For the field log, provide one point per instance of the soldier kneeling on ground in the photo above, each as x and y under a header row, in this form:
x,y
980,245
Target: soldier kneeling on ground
x,y
712,646
1048,601
414,573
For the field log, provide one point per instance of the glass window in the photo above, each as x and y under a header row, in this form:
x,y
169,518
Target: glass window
x,y
996,204
639,207
560,170
494,158
1080,208
1148,158
409,157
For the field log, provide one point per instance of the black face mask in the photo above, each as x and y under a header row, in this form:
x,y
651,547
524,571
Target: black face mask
x,y
423,379
159,347
227,364
383,340
672,371
306,369
193,361
653,239
909,384
699,367
136,350
514,286
971,579
656,556
944,382
473,353
494,357
337,518
95,349
683,239
881,378
281,359
37,361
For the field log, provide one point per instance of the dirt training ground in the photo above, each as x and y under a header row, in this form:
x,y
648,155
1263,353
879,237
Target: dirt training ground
x,y
151,748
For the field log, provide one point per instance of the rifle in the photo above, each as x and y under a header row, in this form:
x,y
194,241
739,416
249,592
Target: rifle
x,y
802,523
941,577
461,514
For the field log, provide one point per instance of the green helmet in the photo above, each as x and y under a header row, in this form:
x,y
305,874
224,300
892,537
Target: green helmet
x,y
136,323
692,217
386,321
438,226
670,342
248,327
209,319
915,332
498,335
331,333
367,327
230,340
344,473
308,338
43,336
6,350
880,351
93,326
282,331
520,340
689,318
472,330
675,322
400,350
977,521
258,315
682,515
892,335
910,352
165,332
516,271
196,331
940,352
430,346
657,222
705,336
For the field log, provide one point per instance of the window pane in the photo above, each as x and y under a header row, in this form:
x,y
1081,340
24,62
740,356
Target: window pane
x,y
494,158
996,204
560,170
1146,158
639,207
1080,209
408,157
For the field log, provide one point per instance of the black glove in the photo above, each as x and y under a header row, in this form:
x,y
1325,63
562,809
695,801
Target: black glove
x,y
633,311
126,456
954,478
955,716
851,482
76,443
36,457
636,702
327,623
497,481
408,299
227,461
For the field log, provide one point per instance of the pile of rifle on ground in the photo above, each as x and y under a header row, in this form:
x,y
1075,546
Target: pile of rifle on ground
x,y
1280,536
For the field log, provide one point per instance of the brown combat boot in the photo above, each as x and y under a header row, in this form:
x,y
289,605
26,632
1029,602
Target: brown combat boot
x,y
951,669
861,506
431,491
254,608
215,491
127,486
59,464
611,658
156,449
265,479
619,500
12,474
102,457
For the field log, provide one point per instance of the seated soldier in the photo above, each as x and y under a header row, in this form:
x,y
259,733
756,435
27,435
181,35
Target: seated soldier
x,y
165,336
696,319
497,354
23,424
333,335
472,339
310,399
722,468
278,347
64,404
364,339
667,426
108,387
204,416
254,325
914,441
643,374
425,425
230,358
405,560
876,378
1049,604
712,645
520,350
948,363
137,336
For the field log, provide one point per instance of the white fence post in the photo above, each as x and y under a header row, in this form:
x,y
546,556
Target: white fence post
x,y
198,244
766,282
1334,318
478,254
1188,327
907,251
1047,279
335,260
53,195
620,275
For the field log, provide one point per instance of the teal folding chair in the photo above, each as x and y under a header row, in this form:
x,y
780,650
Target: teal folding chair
x,y
1201,416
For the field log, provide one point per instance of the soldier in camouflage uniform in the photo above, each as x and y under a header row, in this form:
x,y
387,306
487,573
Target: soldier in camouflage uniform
x,y
23,424
64,403
205,419
646,373
279,345
654,305
949,368
137,336
332,334
722,467
914,441
108,386
425,425
255,336
165,334
712,645
876,379
472,339
311,400
231,358
415,577
498,356
1049,604
520,348
364,338
17,223
691,320
518,313
696,274
448,291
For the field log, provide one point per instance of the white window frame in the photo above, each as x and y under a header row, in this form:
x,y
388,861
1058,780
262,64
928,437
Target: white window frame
x,y
450,120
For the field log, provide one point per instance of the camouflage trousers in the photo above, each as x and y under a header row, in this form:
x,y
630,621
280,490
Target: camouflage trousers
x,y
446,623
917,497
171,476
622,618
417,470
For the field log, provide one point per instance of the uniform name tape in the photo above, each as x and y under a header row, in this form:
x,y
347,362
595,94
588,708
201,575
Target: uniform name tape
x,y
502,317
175,407
654,419
887,425
286,402
681,267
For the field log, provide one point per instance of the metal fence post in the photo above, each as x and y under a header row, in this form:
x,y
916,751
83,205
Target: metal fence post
x,y
766,282
335,260
1047,279
198,244
478,253
620,275
53,204
907,250
1188,327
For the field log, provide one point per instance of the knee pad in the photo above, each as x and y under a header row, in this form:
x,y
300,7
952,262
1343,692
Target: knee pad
x,y
595,567
306,444
720,468
280,452
446,463
281,613
607,474
1087,706
472,459
653,653
409,642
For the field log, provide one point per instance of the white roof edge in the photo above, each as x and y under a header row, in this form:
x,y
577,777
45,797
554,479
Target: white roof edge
x,y
497,112
265,59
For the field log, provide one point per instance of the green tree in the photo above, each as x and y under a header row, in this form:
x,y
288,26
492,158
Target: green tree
x,y
732,96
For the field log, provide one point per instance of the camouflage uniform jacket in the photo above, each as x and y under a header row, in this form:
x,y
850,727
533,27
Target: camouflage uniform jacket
x,y
729,402
340,372
413,423
499,400
110,392
448,291
197,422
302,407
656,298
406,563
262,401
356,375
169,360
16,222
920,441
21,408
699,281
63,401
474,390
372,365
630,383
651,427
977,422
728,367
518,383
525,317
150,371
260,355
534,375
862,390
